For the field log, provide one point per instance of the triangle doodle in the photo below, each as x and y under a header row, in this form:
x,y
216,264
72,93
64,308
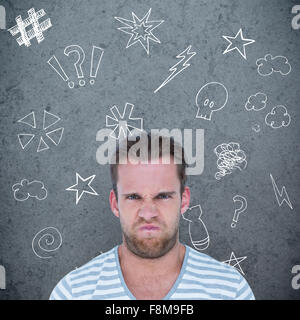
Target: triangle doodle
x,y
29,119
55,135
24,139
49,119
42,145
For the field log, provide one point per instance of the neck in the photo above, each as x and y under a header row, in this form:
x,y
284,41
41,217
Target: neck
x,y
170,262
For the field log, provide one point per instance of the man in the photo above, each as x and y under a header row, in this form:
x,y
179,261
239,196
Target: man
x,y
149,197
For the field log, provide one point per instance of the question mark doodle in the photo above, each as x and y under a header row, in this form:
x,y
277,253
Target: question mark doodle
x,y
237,212
81,56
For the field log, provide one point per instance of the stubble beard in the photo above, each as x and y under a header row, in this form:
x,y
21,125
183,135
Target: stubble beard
x,y
153,247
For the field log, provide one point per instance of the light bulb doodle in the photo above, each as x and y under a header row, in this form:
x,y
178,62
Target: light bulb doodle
x,y
46,242
238,211
211,97
197,229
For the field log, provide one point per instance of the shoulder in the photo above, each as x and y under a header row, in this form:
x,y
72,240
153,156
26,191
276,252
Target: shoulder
x,y
84,278
217,275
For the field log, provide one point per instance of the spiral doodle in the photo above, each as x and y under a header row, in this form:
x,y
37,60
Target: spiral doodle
x,y
230,156
47,241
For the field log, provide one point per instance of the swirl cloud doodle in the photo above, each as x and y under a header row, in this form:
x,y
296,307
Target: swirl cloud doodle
x,y
230,157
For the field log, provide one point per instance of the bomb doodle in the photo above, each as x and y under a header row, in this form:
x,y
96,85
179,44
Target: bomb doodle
x,y
211,97
197,230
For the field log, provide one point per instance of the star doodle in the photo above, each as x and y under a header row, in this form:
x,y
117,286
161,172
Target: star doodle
x,y
235,43
140,30
236,262
81,189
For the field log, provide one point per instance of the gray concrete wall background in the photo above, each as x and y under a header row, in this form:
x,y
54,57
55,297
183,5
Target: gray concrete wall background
x,y
266,233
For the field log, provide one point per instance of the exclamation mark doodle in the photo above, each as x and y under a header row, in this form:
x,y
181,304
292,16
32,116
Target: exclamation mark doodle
x,y
53,62
96,58
2,18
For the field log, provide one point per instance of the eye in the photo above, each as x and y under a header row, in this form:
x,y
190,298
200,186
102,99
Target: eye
x,y
133,197
163,196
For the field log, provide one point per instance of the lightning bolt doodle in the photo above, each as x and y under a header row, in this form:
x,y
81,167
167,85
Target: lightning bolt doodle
x,y
185,56
280,196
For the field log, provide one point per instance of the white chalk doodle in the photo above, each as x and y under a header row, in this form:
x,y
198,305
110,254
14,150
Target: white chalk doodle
x,y
238,42
181,65
256,102
140,30
278,117
46,242
42,145
82,186
239,210
37,28
49,119
256,127
211,97
96,58
2,278
25,189
235,262
29,119
25,139
269,64
282,196
74,48
123,122
230,157
197,230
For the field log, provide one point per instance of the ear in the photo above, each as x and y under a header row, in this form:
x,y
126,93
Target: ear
x,y
113,203
185,200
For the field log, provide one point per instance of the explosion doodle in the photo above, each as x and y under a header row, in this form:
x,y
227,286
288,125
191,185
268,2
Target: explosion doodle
x,y
140,30
230,156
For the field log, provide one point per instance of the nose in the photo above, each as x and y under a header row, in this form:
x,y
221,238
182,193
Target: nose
x,y
148,211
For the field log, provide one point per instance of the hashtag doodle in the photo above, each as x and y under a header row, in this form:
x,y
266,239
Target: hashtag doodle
x,y
37,28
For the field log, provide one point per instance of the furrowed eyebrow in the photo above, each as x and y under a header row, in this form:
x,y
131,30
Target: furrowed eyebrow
x,y
169,193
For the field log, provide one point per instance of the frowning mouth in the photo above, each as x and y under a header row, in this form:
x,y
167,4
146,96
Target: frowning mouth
x,y
149,227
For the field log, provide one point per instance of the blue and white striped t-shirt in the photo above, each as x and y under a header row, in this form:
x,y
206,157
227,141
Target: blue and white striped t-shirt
x,y
201,277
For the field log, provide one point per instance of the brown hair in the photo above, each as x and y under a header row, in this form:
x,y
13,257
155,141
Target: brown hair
x,y
175,149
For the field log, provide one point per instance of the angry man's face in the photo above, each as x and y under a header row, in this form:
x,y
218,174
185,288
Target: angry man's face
x,y
149,207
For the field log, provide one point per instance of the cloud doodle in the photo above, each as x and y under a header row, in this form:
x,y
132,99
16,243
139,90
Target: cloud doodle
x,y
256,101
278,117
25,189
269,64
230,157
